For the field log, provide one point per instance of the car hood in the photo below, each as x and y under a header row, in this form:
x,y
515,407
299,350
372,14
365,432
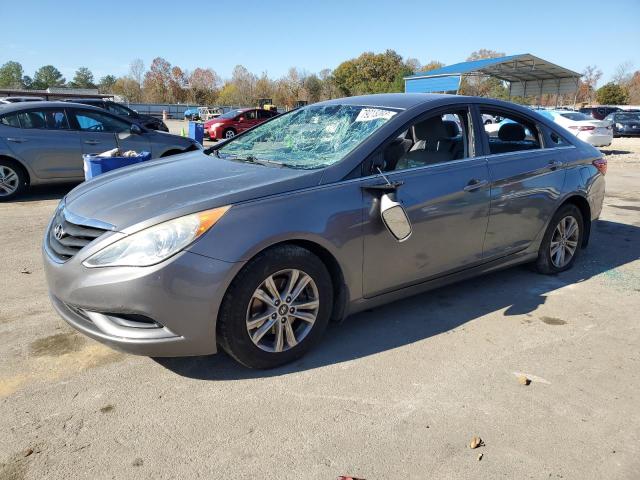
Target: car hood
x,y
147,118
162,189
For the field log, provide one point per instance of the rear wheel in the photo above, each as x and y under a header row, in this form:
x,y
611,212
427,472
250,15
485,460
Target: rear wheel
x,y
561,242
13,179
277,307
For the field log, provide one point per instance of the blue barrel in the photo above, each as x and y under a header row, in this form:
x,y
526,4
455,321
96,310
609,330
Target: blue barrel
x,y
95,165
196,131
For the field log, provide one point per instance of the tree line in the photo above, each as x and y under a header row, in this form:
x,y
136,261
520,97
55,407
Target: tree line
x,y
368,73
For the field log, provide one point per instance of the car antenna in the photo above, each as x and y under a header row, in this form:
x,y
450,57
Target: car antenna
x,y
384,176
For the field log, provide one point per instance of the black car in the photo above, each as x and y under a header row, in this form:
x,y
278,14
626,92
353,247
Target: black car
x,y
146,121
625,123
598,113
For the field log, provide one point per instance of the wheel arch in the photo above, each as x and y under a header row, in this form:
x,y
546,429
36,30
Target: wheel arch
x,y
20,164
340,288
585,209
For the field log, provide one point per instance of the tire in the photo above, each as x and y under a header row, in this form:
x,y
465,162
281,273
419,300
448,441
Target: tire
x,y
13,180
549,264
228,133
241,306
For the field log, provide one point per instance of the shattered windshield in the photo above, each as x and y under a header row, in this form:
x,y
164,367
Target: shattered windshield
x,y
311,137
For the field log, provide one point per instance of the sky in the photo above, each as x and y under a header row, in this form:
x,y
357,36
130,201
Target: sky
x,y
270,36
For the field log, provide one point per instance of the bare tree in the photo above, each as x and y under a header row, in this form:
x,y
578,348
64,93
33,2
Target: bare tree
x,y
623,73
136,71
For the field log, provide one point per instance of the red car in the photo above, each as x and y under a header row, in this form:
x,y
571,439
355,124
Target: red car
x,y
230,124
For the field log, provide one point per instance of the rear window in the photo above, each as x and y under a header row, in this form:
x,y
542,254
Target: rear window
x,y
10,120
44,119
577,116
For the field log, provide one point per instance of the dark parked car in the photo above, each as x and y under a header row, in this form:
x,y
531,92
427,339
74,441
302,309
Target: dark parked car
x,y
598,113
230,124
316,214
625,123
147,121
43,142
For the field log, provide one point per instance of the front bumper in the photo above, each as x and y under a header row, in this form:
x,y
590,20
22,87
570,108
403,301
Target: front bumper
x,y
169,309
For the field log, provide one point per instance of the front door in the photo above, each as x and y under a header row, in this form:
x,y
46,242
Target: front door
x,y
445,192
100,132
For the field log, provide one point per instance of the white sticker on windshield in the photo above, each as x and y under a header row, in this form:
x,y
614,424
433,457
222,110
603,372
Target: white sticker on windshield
x,y
370,114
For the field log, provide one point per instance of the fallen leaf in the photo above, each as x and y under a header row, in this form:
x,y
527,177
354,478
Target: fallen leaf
x,y
28,452
25,271
480,455
476,442
523,380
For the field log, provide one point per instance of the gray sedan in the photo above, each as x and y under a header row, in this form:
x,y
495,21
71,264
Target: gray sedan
x,y
314,215
43,142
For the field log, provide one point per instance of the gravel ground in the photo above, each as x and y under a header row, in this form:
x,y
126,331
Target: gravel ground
x,y
393,393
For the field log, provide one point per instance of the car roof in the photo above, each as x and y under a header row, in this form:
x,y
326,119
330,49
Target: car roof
x,y
19,106
100,100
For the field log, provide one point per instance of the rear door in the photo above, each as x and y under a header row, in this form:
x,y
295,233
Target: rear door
x,y
100,132
526,182
42,139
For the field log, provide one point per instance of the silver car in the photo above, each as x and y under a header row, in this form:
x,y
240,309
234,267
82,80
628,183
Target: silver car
x,y
325,211
43,142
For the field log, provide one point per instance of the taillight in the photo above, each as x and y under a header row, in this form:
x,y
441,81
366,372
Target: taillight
x,y
601,165
582,128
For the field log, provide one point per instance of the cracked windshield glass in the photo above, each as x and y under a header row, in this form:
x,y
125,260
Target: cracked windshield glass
x,y
311,137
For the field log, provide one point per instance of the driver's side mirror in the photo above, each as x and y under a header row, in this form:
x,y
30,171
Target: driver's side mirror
x,y
135,129
395,218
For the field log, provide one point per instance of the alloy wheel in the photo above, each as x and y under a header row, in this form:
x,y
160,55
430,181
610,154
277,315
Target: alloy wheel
x,y
229,134
9,181
564,241
282,310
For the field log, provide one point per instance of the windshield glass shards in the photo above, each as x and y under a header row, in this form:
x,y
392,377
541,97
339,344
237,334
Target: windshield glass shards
x,y
311,137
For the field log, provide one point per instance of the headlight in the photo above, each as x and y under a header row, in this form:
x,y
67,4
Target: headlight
x,y
155,244
215,125
619,125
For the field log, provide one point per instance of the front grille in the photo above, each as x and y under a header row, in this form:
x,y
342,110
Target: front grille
x,y
67,238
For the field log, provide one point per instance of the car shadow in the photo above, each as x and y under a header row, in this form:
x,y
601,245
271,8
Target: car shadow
x,y
516,291
39,193
615,152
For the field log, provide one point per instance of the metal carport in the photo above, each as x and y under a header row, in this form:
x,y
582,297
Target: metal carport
x,y
526,75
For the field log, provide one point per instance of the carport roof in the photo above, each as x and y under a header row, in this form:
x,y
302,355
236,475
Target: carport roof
x,y
512,68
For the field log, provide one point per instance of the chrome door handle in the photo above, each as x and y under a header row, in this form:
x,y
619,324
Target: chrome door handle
x,y
16,140
475,184
554,164
91,142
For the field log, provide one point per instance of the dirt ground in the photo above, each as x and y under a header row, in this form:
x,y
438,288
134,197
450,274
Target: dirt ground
x,y
393,393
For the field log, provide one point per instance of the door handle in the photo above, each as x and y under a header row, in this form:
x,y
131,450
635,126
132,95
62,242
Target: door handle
x,y
16,140
383,187
475,184
554,164
92,142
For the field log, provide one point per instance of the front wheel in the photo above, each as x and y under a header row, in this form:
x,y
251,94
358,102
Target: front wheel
x,y
277,308
230,133
561,242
